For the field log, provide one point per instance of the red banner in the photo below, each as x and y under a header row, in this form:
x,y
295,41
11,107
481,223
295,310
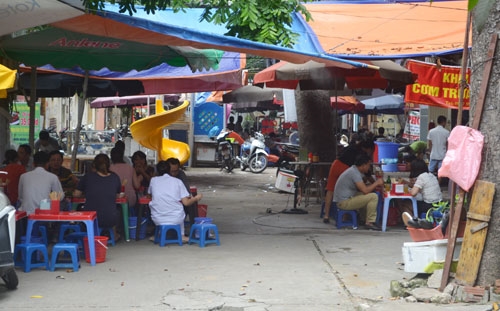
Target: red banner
x,y
436,85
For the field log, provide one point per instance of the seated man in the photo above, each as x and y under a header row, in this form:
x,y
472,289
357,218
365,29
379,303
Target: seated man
x,y
351,193
168,195
177,172
36,185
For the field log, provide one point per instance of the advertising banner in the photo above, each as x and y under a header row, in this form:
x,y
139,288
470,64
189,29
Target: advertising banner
x,y
412,127
436,85
19,125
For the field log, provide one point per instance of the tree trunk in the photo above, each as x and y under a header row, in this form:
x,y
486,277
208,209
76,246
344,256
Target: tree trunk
x,y
489,269
316,122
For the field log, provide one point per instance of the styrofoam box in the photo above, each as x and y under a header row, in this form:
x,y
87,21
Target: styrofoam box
x,y
417,255
285,182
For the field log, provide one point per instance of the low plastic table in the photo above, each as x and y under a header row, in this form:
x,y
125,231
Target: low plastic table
x,y
88,218
75,201
387,199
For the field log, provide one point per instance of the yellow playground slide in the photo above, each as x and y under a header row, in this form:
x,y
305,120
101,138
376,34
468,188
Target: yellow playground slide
x,y
149,133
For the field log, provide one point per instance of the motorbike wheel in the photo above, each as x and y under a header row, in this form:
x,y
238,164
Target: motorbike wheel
x,y
10,279
258,163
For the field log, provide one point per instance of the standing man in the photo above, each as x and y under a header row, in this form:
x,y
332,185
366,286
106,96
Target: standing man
x,y
36,185
351,192
46,143
437,140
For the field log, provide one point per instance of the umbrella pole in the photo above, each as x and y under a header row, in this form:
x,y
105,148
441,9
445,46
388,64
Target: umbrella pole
x,y
81,107
32,104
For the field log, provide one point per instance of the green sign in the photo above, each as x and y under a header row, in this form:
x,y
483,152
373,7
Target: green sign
x,y
19,125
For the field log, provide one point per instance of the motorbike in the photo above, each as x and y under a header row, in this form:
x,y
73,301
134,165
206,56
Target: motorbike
x,y
225,153
289,153
253,154
7,242
63,139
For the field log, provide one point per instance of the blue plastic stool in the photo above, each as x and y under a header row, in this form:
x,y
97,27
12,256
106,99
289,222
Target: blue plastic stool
x,y
77,238
339,216
161,235
27,261
203,231
111,232
66,227
72,249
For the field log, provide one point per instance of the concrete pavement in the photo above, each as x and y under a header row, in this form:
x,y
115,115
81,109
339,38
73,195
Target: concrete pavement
x,y
266,261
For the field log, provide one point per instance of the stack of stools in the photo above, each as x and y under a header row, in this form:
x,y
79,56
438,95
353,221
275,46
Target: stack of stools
x,y
161,235
31,255
200,233
67,227
77,238
72,249
338,215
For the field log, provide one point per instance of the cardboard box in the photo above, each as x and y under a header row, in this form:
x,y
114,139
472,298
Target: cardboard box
x,y
418,255
285,182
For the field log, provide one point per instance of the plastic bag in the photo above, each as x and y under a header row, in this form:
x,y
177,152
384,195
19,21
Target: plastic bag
x,y
463,157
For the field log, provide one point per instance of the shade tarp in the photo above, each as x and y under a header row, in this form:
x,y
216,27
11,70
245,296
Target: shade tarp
x,y
381,29
61,85
164,79
184,28
17,15
66,49
360,30
130,101
346,104
313,75
255,106
7,80
249,93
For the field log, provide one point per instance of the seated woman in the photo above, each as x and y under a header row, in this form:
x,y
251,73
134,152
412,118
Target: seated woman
x,y
168,195
126,172
425,184
100,187
143,171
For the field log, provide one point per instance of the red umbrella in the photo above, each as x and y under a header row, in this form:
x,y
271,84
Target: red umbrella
x,y
347,103
319,76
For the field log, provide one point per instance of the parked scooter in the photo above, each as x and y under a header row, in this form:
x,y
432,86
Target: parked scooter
x,y
225,153
7,242
253,154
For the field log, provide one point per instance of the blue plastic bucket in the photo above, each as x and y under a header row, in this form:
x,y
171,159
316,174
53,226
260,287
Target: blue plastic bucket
x,y
388,156
132,228
201,220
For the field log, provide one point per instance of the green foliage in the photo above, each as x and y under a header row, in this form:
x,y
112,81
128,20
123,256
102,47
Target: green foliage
x,y
264,21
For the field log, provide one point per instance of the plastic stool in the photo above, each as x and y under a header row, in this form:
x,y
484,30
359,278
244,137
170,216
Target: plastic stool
x,y
331,212
65,227
72,249
26,252
161,232
339,216
77,238
111,232
204,230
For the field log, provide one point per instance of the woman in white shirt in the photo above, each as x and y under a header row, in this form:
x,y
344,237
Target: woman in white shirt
x,y
425,184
